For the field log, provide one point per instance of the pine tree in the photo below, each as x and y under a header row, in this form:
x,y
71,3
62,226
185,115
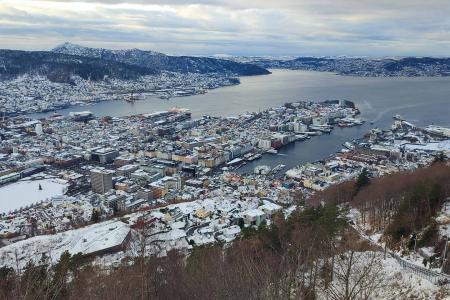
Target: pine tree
x,y
60,276
95,216
363,179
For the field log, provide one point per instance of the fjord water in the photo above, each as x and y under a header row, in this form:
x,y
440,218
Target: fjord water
x,y
421,100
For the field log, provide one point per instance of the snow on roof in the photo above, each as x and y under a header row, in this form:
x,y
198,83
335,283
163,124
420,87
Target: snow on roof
x,y
186,207
232,230
178,225
434,146
157,214
171,235
98,238
86,240
254,212
269,206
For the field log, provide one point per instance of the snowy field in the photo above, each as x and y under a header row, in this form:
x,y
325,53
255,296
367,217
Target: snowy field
x,y
23,193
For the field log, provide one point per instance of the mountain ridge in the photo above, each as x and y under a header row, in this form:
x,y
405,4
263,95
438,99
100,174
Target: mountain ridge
x,y
162,62
60,67
68,60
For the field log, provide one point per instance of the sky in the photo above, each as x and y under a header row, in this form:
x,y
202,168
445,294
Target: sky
x,y
234,27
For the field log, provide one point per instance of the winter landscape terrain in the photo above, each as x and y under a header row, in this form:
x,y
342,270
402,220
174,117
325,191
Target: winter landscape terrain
x,y
224,150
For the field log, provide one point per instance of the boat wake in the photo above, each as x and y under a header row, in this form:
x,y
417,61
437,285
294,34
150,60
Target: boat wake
x,y
390,109
369,106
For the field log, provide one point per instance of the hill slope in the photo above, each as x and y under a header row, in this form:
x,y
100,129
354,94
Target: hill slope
x,y
161,62
409,66
67,60
60,67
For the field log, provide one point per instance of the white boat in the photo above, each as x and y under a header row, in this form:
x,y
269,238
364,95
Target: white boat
x,y
348,145
301,137
278,168
80,115
398,117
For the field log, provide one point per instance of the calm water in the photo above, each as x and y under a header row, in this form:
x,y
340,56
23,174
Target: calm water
x,y
420,100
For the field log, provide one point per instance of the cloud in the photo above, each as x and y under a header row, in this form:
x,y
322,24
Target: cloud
x,y
252,27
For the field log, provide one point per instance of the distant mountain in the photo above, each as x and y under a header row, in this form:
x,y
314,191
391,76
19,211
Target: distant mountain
x,y
67,60
409,66
161,62
60,67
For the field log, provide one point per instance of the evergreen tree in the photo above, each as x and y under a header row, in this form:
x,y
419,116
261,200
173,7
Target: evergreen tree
x,y
34,279
60,275
7,282
95,216
363,179
76,261
439,157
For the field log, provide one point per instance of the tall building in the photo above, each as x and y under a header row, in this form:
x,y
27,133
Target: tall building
x,y
38,129
101,180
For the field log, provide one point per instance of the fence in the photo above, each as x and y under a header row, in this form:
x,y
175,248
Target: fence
x,y
432,276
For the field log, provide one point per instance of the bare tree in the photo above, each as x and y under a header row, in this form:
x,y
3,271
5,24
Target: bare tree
x,y
356,275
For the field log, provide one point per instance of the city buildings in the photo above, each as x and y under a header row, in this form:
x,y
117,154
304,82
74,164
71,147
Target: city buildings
x,y
101,180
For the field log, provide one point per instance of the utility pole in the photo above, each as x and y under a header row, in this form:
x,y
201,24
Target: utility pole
x,y
444,258
385,250
415,242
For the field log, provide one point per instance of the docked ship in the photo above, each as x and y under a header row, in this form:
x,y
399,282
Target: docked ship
x,y
348,145
277,169
262,170
252,157
81,115
131,98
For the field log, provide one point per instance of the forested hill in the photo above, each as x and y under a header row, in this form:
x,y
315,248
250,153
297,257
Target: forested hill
x,y
60,67
70,60
161,62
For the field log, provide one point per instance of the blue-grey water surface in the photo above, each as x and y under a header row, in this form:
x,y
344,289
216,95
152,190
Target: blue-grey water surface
x,y
422,100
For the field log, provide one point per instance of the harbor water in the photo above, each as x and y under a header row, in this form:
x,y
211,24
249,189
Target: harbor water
x,y
422,100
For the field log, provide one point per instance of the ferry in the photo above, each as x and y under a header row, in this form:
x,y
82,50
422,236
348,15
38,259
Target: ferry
x,y
350,122
252,157
272,151
81,115
321,128
311,133
398,117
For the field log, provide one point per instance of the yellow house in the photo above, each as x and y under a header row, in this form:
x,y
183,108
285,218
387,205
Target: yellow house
x,y
201,213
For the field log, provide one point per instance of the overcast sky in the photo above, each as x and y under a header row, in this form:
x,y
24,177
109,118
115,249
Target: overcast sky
x,y
237,27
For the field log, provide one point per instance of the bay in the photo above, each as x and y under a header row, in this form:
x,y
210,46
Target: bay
x,y
421,100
